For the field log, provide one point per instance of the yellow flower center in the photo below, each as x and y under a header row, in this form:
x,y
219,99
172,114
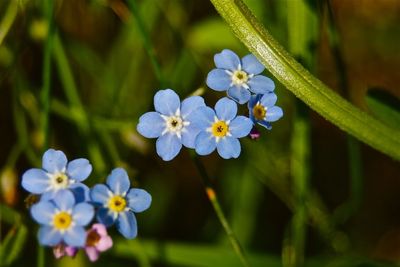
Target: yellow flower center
x,y
239,77
62,220
259,112
219,129
117,203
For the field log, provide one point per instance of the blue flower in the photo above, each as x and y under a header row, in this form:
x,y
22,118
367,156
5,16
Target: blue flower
x,y
238,77
62,220
117,202
220,129
57,174
170,123
262,110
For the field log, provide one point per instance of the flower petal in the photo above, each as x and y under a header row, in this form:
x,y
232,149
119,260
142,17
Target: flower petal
x,y
138,199
240,126
104,216
75,236
168,146
82,214
205,143
79,169
126,224
81,192
202,118
54,161
118,181
265,124
189,135
218,80
261,85
71,251
104,243
35,181
100,194
239,94
273,114
190,104
43,212
100,229
268,100
151,125
228,147
64,200
49,236
166,102
251,65
92,253
227,59
225,109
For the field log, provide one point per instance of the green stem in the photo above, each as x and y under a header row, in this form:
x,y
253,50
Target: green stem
x,y
146,41
212,196
8,20
46,75
304,85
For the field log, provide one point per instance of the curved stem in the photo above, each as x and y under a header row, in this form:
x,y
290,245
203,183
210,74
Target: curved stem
x,y
212,196
304,85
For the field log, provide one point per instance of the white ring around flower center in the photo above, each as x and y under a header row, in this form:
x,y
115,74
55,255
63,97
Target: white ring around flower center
x,y
174,124
59,180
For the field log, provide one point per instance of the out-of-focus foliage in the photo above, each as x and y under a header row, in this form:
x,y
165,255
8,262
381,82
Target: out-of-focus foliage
x,y
303,194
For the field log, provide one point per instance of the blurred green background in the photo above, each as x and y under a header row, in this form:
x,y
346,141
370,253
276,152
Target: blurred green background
x,y
305,193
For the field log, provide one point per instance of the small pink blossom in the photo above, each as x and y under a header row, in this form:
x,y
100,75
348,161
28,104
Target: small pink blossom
x,y
97,241
62,250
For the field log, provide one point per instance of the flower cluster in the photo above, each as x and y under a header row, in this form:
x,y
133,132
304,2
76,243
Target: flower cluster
x,y
197,126
67,206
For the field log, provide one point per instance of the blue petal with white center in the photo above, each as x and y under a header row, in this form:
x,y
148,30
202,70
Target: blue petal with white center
x,y
240,126
261,85
166,102
117,202
54,161
168,146
227,59
79,169
219,80
228,147
262,109
250,64
138,199
57,174
225,109
205,143
127,225
239,94
35,181
238,77
171,123
118,181
151,125
61,220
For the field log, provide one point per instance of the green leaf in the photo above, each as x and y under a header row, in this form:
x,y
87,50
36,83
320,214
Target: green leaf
x,y
303,84
13,244
384,106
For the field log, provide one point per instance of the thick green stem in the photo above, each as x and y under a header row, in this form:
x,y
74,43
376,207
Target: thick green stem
x,y
212,196
304,85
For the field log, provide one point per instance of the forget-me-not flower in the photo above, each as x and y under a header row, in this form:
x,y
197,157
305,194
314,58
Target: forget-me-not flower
x,y
57,174
170,123
220,129
117,202
239,77
62,220
262,109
